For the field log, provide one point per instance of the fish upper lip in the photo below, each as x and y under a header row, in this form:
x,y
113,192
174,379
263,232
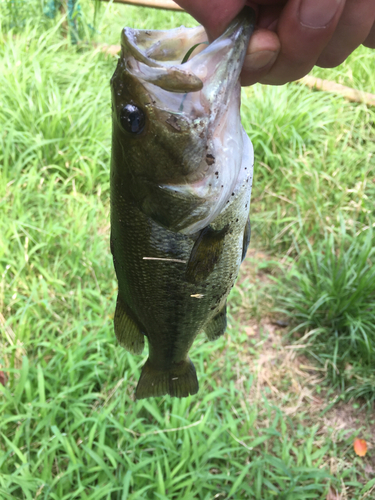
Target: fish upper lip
x,y
134,42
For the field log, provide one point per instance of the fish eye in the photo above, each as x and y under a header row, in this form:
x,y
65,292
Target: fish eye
x,y
132,119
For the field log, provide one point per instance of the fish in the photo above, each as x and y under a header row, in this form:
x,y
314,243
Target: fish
x,y
180,187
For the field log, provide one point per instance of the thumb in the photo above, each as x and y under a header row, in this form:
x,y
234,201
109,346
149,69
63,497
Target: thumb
x,y
264,47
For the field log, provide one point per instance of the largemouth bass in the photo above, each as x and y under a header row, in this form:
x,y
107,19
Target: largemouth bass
x,y
181,177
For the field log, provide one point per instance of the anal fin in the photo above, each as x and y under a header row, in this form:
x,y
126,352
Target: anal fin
x,y
127,332
179,381
217,326
205,254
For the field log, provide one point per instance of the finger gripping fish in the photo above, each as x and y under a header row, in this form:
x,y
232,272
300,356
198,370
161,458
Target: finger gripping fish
x,y
181,176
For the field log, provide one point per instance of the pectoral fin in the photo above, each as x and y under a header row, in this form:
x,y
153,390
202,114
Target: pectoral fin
x,y
217,326
205,254
246,238
127,332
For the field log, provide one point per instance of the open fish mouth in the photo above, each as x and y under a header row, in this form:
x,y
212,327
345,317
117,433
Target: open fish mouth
x,y
156,57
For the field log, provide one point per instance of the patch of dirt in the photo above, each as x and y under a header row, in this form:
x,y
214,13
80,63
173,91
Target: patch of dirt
x,y
290,379
255,268
254,286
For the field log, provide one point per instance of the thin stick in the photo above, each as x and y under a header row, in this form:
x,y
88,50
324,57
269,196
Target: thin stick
x,y
156,4
161,431
239,441
165,259
348,93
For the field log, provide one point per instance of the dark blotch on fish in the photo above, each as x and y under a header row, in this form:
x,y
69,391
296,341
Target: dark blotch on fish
x,y
173,122
210,159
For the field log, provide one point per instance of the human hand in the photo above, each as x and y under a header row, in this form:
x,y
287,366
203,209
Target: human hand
x,y
292,36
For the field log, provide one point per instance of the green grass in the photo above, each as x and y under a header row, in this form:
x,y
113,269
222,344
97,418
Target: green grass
x,y
331,301
355,72
90,433
69,427
315,162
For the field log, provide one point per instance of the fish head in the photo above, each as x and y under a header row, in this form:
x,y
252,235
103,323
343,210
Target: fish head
x,y
177,135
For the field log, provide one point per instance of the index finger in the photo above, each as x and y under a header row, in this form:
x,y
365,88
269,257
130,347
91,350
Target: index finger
x,y
304,29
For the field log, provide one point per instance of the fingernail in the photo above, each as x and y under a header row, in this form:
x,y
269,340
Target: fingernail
x,y
318,13
259,60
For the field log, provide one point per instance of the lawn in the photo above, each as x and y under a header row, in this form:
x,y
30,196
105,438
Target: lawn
x,y
291,385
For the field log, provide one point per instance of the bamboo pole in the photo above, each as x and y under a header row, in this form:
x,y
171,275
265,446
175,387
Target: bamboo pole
x,y
156,4
348,93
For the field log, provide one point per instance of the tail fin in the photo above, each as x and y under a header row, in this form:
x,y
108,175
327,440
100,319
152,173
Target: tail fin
x,y
179,381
